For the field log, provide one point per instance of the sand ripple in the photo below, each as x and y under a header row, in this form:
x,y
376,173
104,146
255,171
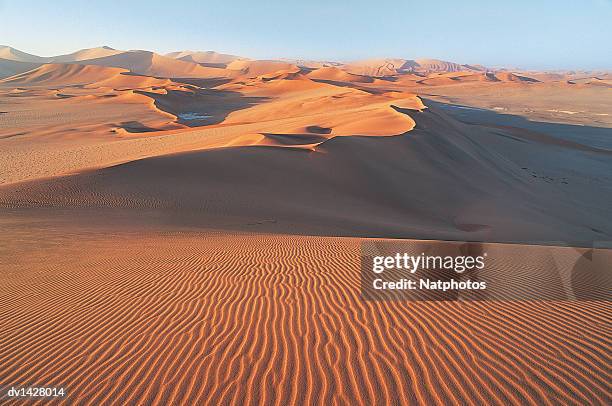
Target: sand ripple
x,y
218,318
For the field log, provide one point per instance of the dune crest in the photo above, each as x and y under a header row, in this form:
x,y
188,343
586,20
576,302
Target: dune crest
x,y
86,54
16,55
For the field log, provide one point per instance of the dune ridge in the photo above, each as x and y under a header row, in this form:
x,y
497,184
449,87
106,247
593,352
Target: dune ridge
x,y
86,54
16,55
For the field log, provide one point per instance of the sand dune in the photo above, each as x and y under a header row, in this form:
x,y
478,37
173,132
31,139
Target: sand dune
x,y
150,63
247,113
13,54
542,102
378,67
511,77
309,104
336,74
595,81
85,54
384,67
486,174
10,68
184,317
312,64
289,109
80,55
256,68
441,80
436,65
125,81
62,74
449,78
171,229
208,58
57,113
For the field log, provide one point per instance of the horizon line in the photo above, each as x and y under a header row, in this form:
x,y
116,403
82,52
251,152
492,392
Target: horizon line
x,y
340,60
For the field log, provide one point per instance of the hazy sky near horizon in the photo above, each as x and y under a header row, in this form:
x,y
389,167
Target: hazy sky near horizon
x,y
531,34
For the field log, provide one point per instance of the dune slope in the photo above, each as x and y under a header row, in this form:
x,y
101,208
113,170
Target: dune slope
x,y
361,186
9,67
62,74
189,318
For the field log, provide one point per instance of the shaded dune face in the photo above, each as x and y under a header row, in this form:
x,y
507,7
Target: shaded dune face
x,y
9,68
366,186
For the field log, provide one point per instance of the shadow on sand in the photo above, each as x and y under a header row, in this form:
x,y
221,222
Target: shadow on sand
x,y
596,137
198,107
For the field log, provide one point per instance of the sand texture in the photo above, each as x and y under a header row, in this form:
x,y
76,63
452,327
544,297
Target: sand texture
x,y
209,317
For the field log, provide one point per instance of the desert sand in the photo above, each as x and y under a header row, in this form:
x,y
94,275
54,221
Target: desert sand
x,y
133,315
187,228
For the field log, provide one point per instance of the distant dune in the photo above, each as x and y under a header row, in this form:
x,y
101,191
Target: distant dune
x,y
376,67
150,63
10,67
86,54
256,68
62,74
449,78
385,67
13,54
511,77
336,74
71,75
81,55
436,65
208,58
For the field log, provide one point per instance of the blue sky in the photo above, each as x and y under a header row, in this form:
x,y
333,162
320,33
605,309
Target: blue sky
x,y
527,34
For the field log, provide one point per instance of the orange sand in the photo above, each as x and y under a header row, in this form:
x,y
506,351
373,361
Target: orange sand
x,y
209,317
227,281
